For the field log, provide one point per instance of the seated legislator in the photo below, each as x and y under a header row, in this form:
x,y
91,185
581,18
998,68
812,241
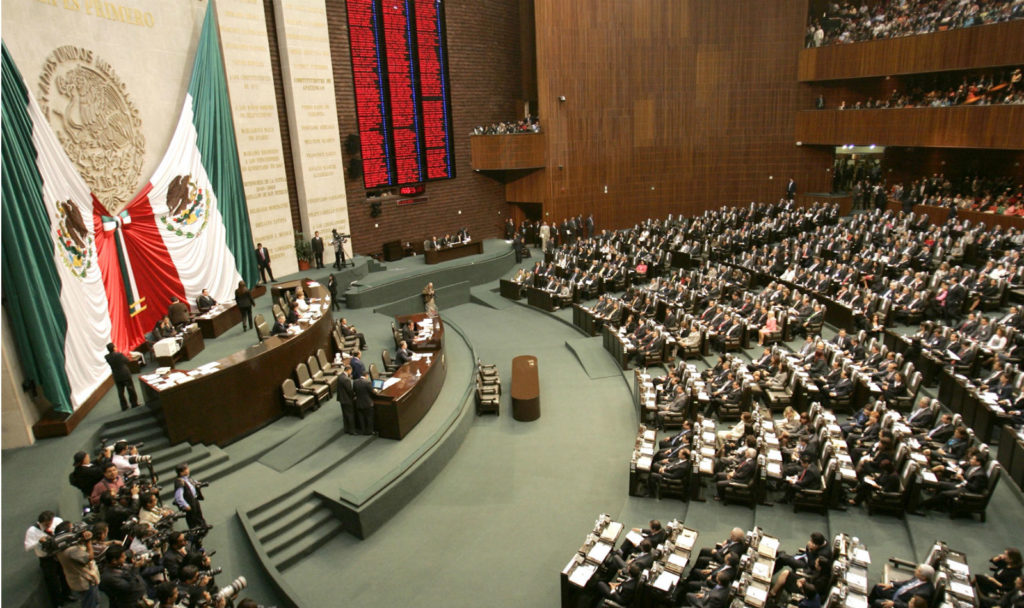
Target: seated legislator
x,y
899,594
205,302
280,326
177,312
403,355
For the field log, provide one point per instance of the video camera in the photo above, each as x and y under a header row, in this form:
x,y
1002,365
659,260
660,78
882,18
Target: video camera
x,y
59,542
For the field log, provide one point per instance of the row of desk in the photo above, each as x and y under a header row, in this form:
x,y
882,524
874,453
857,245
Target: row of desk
x,y
412,389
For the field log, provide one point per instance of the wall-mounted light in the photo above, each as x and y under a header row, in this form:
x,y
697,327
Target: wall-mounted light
x,y
561,98
606,189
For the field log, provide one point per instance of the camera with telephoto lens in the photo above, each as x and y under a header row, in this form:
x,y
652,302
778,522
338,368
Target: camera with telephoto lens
x,y
59,542
229,592
167,521
141,459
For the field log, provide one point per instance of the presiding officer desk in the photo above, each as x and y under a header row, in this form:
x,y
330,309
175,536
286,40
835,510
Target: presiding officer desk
x,y
411,390
225,400
452,252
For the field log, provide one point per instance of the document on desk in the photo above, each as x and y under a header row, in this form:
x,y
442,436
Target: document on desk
x,y
756,595
599,552
687,539
762,570
961,589
768,546
857,581
611,532
958,567
666,580
707,466
643,463
582,574
856,600
649,435
390,381
929,477
861,557
679,561
634,537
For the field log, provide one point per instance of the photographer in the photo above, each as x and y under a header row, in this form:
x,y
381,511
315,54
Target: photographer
x,y
151,512
111,484
175,555
187,494
120,580
79,564
194,586
53,577
86,475
124,459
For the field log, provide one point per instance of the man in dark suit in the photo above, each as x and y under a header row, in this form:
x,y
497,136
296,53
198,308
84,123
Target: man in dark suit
x,y
715,598
942,431
736,543
403,355
808,477
922,418
972,481
742,473
347,399
817,546
655,534
177,312
280,326
363,389
624,592
317,244
791,189
408,332
676,467
205,302
118,363
263,262
358,369
898,595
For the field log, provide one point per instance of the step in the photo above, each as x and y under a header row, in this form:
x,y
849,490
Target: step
x,y
276,507
280,525
304,532
297,554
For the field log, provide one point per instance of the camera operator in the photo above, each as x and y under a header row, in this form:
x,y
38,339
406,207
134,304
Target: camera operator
x,y
117,509
79,564
124,456
53,577
187,494
194,585
167,595
120,580
151,512
86,475
175,555
111,484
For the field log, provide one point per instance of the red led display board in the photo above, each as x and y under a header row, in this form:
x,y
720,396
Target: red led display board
x,y
403,99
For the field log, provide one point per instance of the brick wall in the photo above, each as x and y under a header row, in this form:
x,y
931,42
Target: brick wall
x,y
484,68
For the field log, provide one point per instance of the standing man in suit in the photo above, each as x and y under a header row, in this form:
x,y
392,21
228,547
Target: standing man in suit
x,y
791,189
187,496
318,249
347,399
363,390
358,369
177,312
118,363
263,261
403,355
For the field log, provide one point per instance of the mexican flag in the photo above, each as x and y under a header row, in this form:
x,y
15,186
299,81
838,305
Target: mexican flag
x,y
52,285
77,275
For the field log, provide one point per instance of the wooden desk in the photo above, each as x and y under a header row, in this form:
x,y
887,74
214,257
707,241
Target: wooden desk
x,y
541,298
219,322
245,393
192,344
525,388
435,256
510,290
277,289
399,407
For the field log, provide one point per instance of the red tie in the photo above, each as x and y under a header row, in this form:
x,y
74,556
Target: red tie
x,y
802,473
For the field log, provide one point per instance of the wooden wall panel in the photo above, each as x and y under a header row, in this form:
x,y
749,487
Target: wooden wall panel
x,y
486,82
998,127
1000,44
673,106
502,152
